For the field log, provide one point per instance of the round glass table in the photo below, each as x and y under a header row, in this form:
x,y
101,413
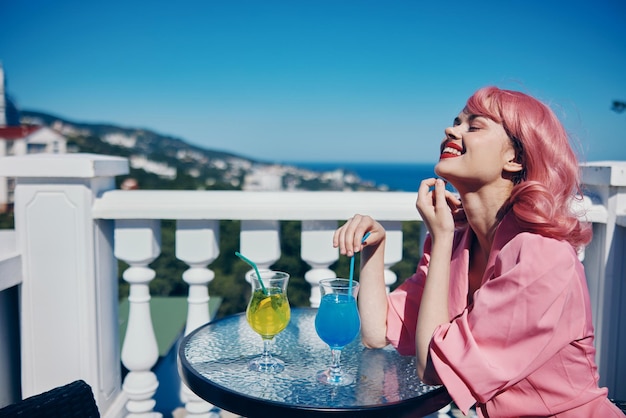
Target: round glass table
x,y
213,364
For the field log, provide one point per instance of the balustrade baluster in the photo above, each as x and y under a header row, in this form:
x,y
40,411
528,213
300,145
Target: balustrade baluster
x,y
260,242
197,245
393,249
137,242
317,251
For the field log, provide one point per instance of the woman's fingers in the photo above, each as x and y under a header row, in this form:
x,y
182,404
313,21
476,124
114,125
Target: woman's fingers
x,y
436,205
433,192
349,237
424,195
440,194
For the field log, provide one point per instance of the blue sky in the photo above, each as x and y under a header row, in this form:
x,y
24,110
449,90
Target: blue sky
x,y
316,80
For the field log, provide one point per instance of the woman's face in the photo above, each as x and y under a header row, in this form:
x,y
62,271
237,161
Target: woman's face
x,y
475,152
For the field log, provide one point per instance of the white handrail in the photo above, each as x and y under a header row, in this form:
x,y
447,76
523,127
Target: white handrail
x,y
182,204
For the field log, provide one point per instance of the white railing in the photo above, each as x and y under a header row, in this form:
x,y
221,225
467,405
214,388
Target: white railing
x,y
71,226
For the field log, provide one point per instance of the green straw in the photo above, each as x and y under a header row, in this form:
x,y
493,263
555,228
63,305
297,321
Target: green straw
x,y
251,263
352,265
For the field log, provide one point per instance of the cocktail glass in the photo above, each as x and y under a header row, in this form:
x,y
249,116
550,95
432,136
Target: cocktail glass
x,y
268,313
337,323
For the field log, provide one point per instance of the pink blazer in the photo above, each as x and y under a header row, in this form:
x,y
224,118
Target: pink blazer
x,y
525,345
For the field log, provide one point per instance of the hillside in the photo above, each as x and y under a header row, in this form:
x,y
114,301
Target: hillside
x,y
165,162
147,140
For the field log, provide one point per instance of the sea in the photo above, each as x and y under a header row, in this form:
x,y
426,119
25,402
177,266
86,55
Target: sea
x,y
405,177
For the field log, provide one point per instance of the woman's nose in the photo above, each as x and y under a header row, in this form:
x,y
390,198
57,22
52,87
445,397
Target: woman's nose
x,y
451,133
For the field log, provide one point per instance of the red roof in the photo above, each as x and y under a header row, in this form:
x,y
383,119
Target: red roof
x,y
17,132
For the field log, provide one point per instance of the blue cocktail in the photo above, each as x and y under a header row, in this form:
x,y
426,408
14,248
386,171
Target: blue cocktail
x,y
337,323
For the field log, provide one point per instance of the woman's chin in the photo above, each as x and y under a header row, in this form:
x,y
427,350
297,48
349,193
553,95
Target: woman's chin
x,y
446,175
440,171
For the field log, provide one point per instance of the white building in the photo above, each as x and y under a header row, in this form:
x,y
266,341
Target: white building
x,y
263,178
160,169
22,140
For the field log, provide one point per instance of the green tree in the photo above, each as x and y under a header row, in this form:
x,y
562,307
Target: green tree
x,y
6,220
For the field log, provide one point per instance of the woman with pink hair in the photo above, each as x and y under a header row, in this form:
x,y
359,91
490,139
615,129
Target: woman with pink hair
x,y
498,310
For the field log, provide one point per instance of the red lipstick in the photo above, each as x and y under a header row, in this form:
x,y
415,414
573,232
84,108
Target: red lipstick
x,y
450,150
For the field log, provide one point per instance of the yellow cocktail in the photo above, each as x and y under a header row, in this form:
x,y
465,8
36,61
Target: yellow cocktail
x,y
268,313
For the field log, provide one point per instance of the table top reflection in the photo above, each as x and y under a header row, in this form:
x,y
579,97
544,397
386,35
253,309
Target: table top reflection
x,y
213,364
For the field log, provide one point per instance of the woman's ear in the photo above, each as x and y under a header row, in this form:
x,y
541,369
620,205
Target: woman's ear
x,y
514,171
513,162
513,166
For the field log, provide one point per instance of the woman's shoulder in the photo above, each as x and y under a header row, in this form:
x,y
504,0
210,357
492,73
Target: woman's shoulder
x,y
529,241
511,237
538,251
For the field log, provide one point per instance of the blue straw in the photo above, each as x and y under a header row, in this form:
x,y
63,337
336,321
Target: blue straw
x,y
352,265
253,265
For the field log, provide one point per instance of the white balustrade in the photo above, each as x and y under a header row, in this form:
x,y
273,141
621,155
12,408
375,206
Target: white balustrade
x,y
68,219
260,243
10,278
68,295
197,244
393,249
10,260
138,243
317,251
605,184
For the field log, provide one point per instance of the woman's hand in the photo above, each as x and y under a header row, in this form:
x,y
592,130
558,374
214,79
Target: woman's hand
x,y
439,208
348,237
372,297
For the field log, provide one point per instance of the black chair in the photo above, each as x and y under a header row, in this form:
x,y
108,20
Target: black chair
x,y
74,400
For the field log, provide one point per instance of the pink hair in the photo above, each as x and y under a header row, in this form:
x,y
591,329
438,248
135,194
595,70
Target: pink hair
x,y
543,192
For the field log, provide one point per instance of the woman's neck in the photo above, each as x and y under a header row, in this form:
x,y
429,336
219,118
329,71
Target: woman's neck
x,y
483,215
